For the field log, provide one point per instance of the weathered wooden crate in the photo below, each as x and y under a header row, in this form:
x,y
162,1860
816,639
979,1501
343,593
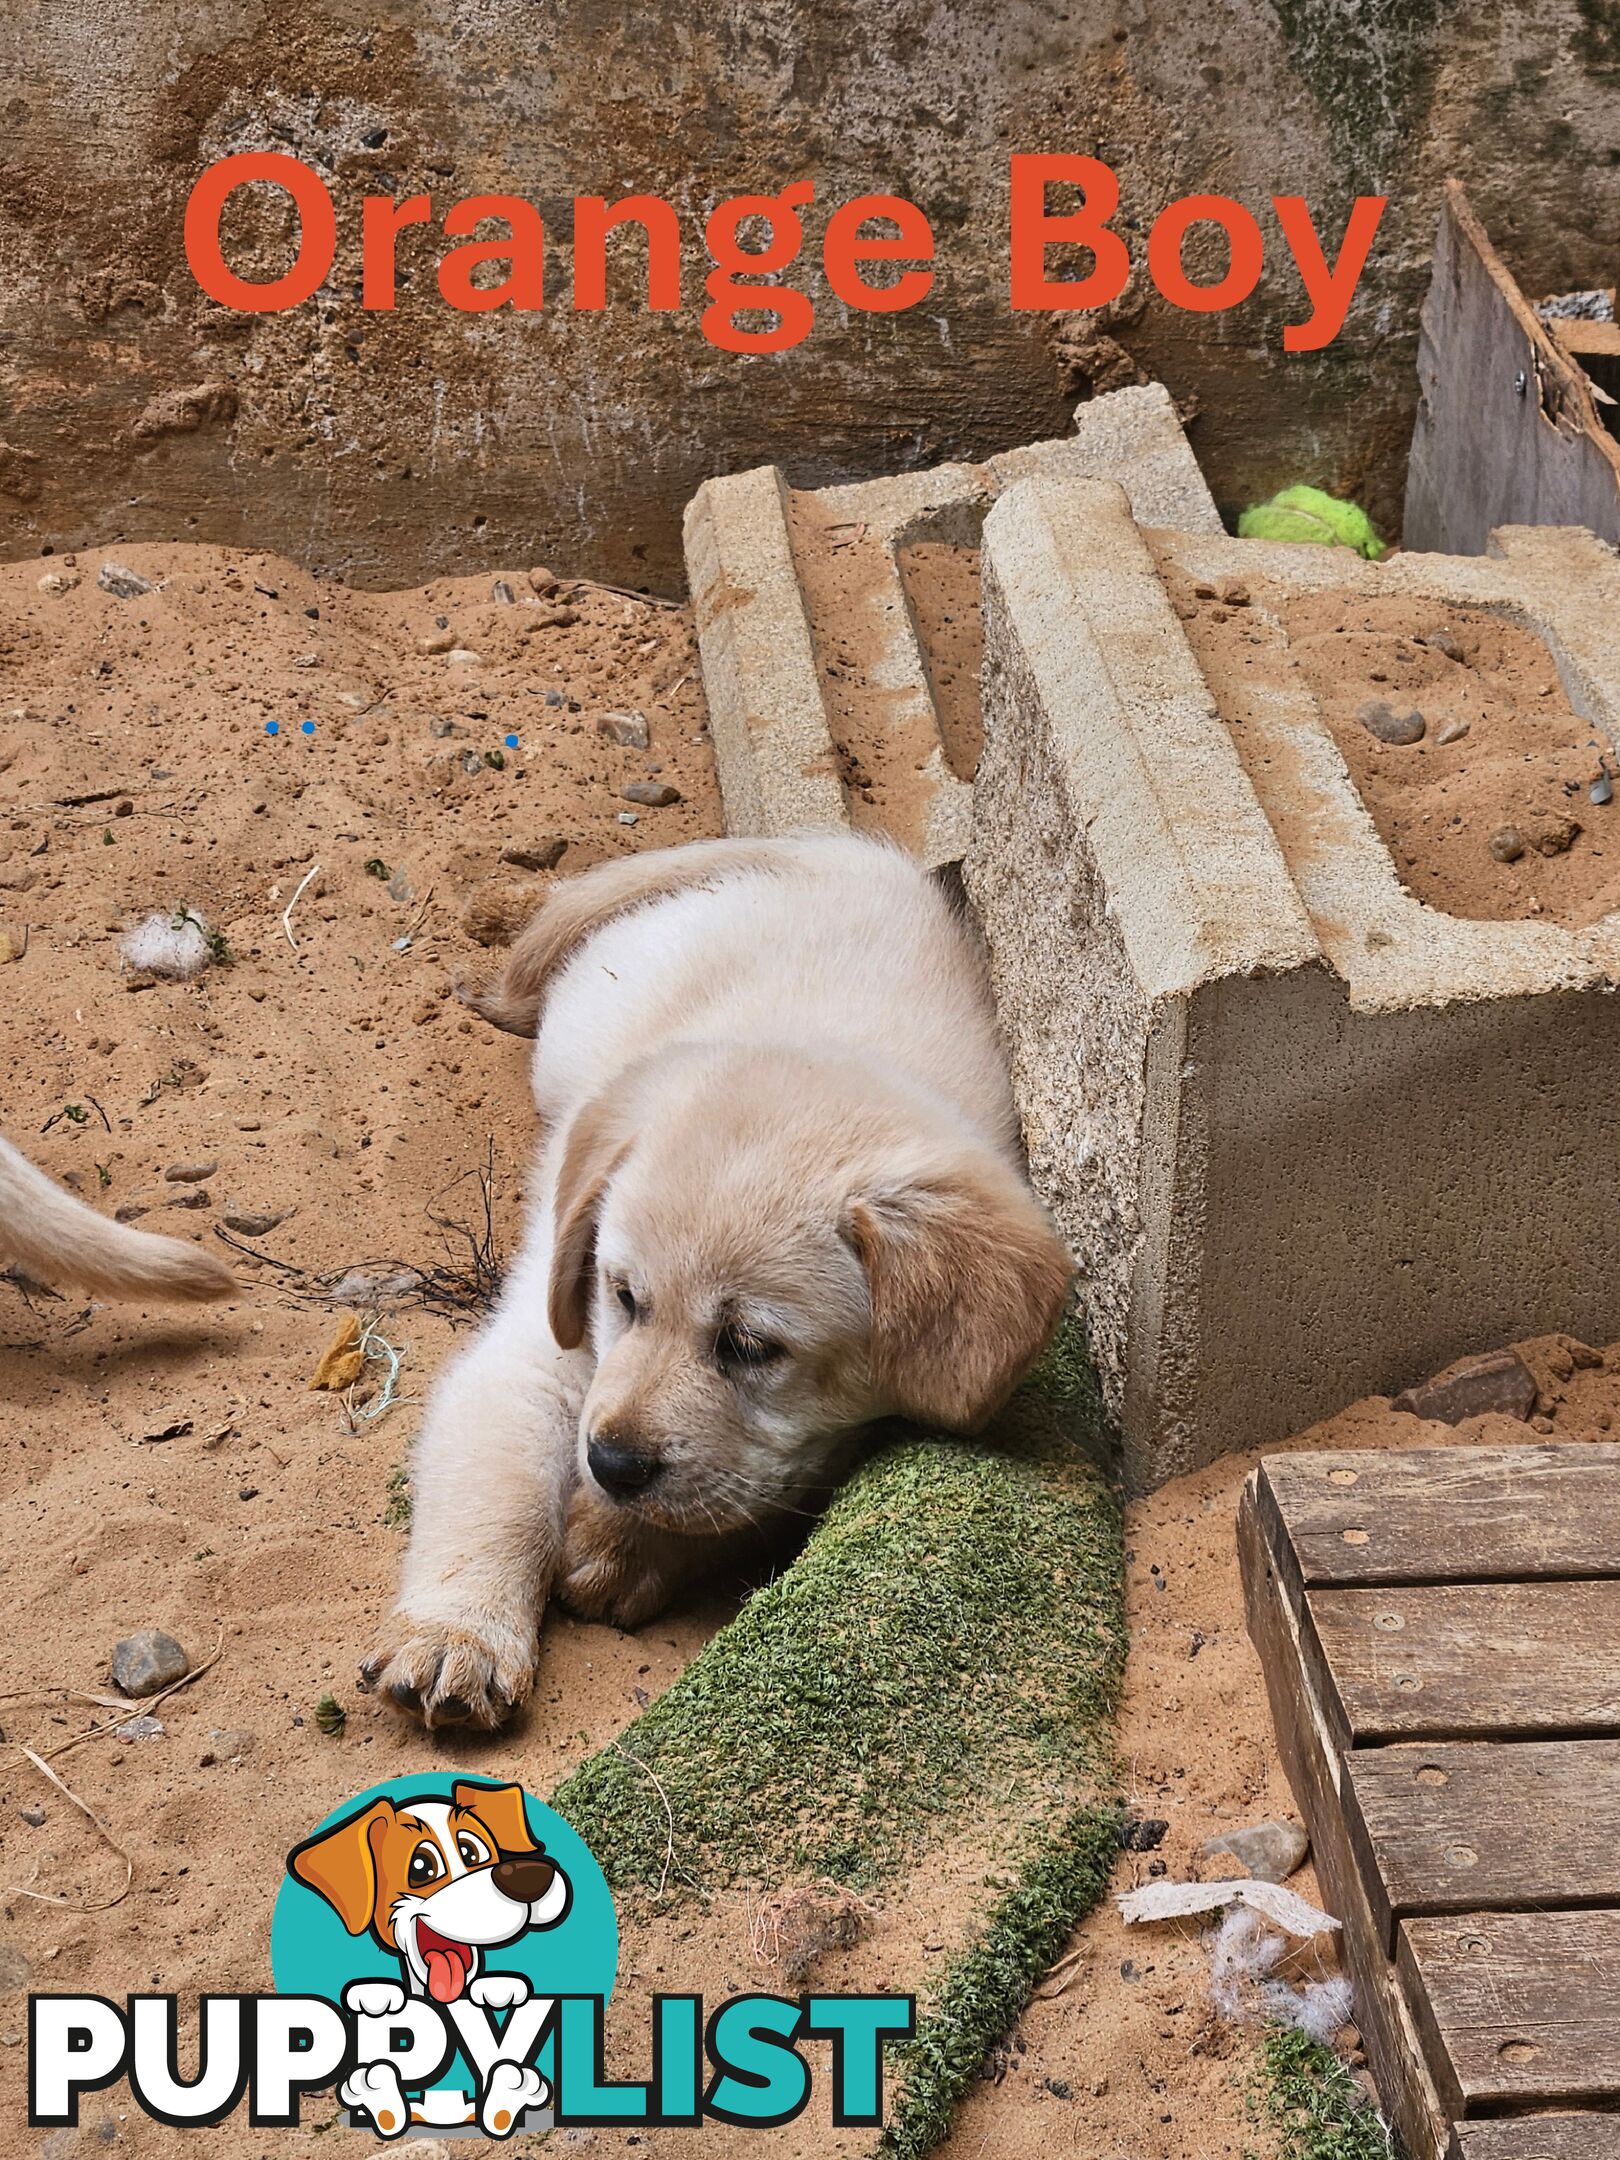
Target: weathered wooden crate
x,y
1440,1631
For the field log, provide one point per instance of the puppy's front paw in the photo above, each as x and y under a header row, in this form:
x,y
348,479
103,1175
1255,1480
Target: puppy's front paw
x,y
610,1568
447,1675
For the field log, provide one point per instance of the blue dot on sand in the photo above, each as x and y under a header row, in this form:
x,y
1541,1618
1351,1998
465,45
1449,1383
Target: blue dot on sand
x,y
272,727
306,727
511,742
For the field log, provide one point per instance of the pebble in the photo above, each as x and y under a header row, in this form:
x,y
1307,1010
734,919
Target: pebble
x,y
196,1198
122,583
190,1173
247,1222
1235,593
544,855
438,641
542,579
1453,731
1266,1851
33,1816
140,1728
55,582
628,728
441,728
228,1745
146,1661
652,794
1138,1833
464,656
628,817
1557,836
1507,843
1381,719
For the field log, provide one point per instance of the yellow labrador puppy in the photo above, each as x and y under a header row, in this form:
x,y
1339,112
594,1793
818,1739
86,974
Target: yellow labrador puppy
x,y
54,1238
779,1198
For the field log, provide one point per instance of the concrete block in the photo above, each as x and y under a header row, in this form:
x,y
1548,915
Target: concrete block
x,y
839,627
1310,1137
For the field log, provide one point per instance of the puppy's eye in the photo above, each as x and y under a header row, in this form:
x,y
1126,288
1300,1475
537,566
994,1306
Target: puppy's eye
x,y
425,1867
734,1345
627,1299
471,1849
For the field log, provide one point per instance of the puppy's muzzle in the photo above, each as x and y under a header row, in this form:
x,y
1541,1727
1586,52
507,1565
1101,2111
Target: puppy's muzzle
x,y
523,1877
621,1471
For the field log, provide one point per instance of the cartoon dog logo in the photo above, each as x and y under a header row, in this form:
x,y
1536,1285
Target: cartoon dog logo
x,y
438,1881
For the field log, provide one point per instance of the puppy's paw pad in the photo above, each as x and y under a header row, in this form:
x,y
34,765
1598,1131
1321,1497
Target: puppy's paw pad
x,y
448,1675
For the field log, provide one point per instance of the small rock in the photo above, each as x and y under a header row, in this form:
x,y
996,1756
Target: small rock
x,y
251,1222
196,1198
543,580
1500,1382
190,1173
1507,843
652,794
1142,1833
123,584
628,817
544,855
131,1211
437,641
140,1728
1235,593
1555,835
559,618
1442,641
1380,719
464,656
146,1661
442,727
33,1816
503,592
1453,731
229,1744
628,728
1267,1851
13,944
57,582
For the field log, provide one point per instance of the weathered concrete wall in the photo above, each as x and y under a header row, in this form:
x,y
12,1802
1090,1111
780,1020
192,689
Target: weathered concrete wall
x,y
392,447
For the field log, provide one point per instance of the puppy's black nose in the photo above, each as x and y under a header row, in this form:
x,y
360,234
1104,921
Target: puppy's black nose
x,y
525,1877
621,1470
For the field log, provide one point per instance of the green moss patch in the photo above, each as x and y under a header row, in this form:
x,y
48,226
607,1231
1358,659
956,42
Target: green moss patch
x,y
939,1667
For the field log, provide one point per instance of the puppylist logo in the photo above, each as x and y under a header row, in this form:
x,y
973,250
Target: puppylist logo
x,y
443,1951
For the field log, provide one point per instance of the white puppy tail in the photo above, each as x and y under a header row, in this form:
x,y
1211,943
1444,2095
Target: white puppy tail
x,y
54,1238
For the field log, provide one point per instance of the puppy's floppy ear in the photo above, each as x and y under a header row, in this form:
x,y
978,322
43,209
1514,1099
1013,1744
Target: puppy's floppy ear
x,y
967,1279
596,1143
500,1809
340,1865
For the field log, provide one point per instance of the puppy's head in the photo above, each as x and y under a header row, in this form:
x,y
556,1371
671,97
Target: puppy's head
x,y
769,1251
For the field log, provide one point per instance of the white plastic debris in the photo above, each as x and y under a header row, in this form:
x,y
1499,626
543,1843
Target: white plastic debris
x,y
177,947
1176,1901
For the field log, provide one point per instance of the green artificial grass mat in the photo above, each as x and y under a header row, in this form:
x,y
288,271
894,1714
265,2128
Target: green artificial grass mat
x,y
939,1666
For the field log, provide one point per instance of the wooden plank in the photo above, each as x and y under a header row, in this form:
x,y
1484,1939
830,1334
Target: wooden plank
x,y
1517,2009
1455,1514
1481,1661
1538,2137
1444,1826
1388,2032
1507,433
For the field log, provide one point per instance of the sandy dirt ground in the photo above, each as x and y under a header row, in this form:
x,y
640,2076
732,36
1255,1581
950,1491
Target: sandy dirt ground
x,y
1494,796
173,1467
